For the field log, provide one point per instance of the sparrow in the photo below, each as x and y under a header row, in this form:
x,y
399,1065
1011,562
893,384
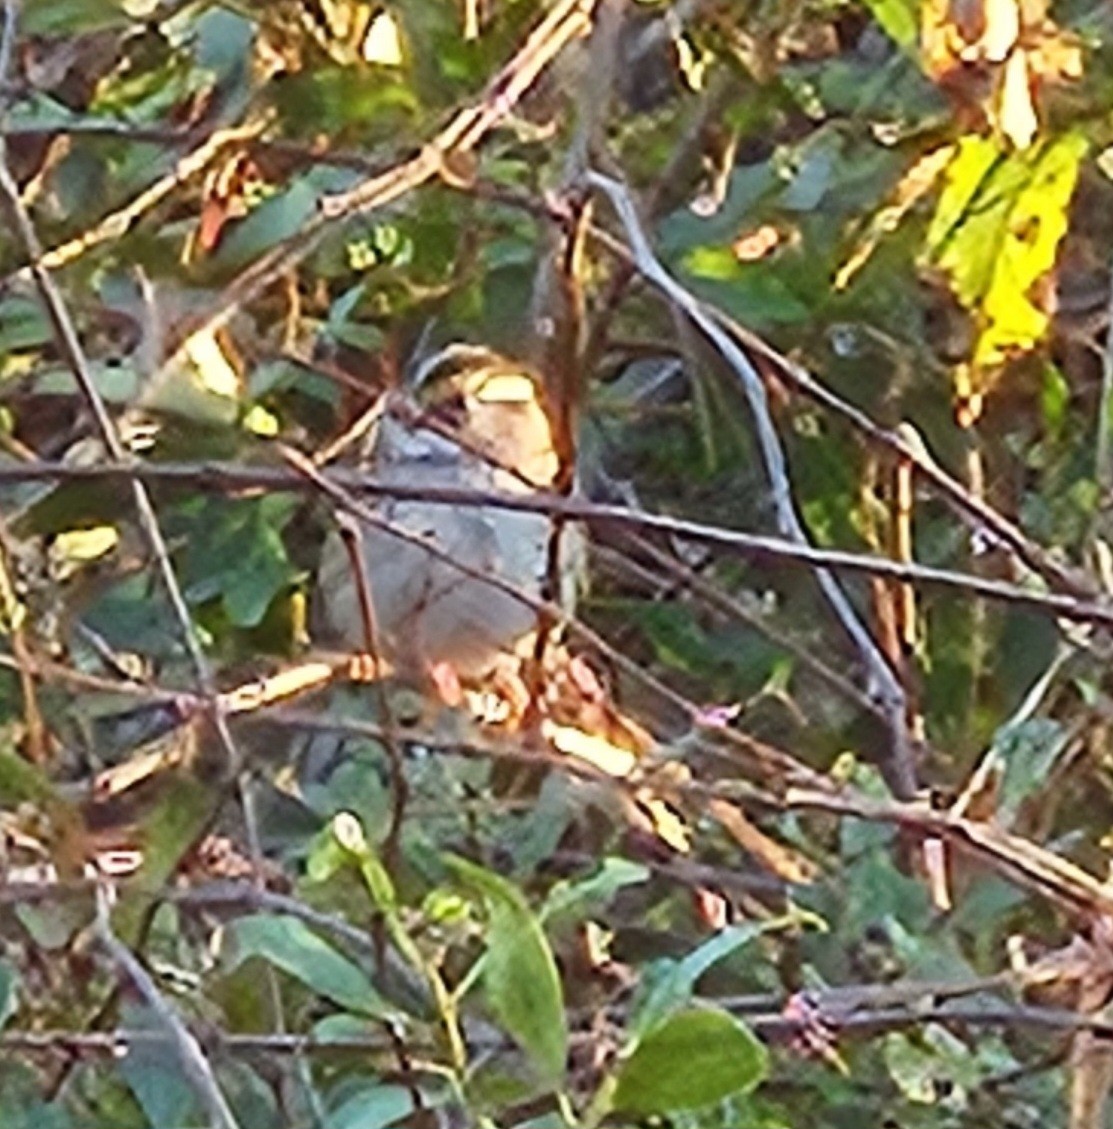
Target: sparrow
x,y
478,421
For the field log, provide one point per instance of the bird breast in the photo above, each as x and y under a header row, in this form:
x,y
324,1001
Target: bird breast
x,y
442,578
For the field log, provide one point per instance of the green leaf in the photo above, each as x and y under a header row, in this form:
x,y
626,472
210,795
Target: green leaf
x,y
519,973
20,780
811,171
171,827
751,291
9,985
694,1059
236,552
117,383
71,17
569,900
346,832
374,1107
154,1077
672,983
23,324
899,18
271,222
1027,751
289,944
934,1064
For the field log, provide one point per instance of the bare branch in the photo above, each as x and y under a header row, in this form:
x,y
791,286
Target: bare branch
x,y
567,20
193,1062
755,547
119,222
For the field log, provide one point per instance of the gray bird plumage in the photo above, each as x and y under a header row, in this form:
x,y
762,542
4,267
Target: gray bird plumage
x,y
429,607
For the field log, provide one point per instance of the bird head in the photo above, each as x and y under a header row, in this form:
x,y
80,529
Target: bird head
x,y
496,407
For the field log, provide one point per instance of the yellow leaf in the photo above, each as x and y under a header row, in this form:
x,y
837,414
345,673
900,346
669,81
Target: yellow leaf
x,y
1055,57
211,365
77,547
601,754
1016,114
345,19
13,612
1002,29
996,233
1036,224
668,825
382,45
259,421
693,66
506,388
198,382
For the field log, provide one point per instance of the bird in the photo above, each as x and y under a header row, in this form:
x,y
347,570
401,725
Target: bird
x,y
474,420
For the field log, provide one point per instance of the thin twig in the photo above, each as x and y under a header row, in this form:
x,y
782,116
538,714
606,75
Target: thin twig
x,y
722,601
771,1025
399,786
1103,463
1027,863
984,518
755,547
194,1065
117,224
884,681
565,21
975,512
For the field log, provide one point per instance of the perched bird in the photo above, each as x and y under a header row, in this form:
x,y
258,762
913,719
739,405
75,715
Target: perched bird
x,y
476,421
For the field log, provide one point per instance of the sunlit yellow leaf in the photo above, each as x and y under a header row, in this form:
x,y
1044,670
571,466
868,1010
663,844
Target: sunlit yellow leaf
x,y
76,547
213,369
344,18
86,544
601,754
968,388
382,44
506,388
940,42
13,612
1016,114
967,173
669,826
1037,223
996,233
199,383
1055,56
692,64
259,421
1002,29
